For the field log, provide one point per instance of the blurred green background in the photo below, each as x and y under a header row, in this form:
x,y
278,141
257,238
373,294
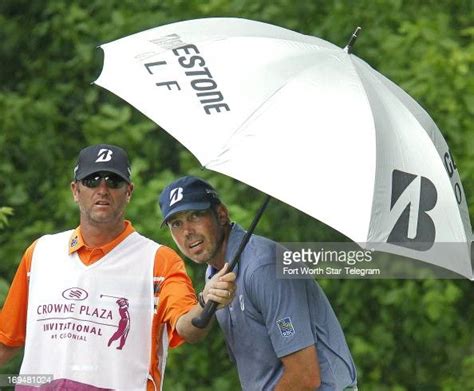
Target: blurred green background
x,y
404,334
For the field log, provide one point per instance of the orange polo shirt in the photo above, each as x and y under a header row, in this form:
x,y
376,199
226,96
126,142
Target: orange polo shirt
x,y
174,291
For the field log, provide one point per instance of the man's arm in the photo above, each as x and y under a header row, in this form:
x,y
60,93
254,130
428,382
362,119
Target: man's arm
x,y
284,305
300,371
221,289
187,331
13,313
7,352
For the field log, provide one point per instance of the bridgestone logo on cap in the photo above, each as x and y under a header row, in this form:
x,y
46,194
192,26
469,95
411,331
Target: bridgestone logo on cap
x,y
176,195
104,155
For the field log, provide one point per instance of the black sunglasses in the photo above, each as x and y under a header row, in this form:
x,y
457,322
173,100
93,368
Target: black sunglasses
x,y
113,181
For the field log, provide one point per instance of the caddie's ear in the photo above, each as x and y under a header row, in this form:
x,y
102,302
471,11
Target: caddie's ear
x,y
129,192
75,190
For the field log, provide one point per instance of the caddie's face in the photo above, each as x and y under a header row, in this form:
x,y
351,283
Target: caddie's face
x,y
104,203
201,234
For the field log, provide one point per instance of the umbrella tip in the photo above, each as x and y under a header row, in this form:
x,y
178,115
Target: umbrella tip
x,y
352,40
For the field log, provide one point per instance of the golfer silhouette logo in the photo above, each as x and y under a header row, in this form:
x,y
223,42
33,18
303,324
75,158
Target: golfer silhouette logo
x,y
124,323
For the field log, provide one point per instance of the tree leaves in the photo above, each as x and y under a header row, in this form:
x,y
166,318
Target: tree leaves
x,y
404,335
5,211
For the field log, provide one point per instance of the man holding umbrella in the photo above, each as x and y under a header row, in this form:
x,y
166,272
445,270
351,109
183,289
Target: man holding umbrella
x,y
281,333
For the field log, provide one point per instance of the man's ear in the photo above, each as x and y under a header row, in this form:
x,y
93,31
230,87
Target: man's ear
x,y
75,190
222,214
129,192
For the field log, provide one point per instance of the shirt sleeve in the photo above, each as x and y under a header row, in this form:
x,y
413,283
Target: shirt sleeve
x,y
283,304
176,293
13,314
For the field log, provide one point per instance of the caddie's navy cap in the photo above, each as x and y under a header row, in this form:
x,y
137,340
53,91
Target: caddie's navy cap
x,y
102,157
186,193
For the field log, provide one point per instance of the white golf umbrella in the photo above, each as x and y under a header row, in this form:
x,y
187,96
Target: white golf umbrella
x,y
306,122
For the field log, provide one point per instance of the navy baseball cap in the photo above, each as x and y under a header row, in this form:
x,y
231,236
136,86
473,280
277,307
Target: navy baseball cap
x,y
102,157
186,193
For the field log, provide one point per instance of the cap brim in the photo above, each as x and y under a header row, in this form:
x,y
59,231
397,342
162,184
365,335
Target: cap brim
x,y
185,207
112,170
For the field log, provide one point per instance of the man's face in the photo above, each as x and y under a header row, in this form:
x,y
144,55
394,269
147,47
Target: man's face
x,y
201,234
101,200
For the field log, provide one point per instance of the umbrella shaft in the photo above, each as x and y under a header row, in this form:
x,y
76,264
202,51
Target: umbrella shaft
x,y
249,233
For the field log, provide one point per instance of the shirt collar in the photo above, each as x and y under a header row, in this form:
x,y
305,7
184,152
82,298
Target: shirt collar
x,y
76,241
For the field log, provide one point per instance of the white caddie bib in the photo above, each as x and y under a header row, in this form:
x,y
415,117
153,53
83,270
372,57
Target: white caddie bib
x,y
91,324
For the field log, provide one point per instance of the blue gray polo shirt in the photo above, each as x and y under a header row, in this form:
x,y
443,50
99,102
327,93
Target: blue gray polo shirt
x,y
270,318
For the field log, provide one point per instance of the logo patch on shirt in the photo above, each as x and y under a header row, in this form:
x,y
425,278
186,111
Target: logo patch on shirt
x,y
157,281
242,303
74,241
75,294
286,327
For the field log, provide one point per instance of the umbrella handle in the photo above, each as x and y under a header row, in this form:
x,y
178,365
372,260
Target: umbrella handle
x,y
210,308
202,320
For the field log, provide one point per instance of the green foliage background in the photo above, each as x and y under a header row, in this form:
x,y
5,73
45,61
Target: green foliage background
x,y
404,335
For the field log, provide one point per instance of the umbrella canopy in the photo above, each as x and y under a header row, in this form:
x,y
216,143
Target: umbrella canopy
x,y
305,122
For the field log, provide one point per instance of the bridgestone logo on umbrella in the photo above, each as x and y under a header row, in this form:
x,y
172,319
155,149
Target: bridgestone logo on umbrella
x,y
207,87
424,233
202,81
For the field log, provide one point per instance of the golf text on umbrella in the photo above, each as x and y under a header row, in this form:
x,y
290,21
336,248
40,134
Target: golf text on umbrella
x,y
202,80
450,166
